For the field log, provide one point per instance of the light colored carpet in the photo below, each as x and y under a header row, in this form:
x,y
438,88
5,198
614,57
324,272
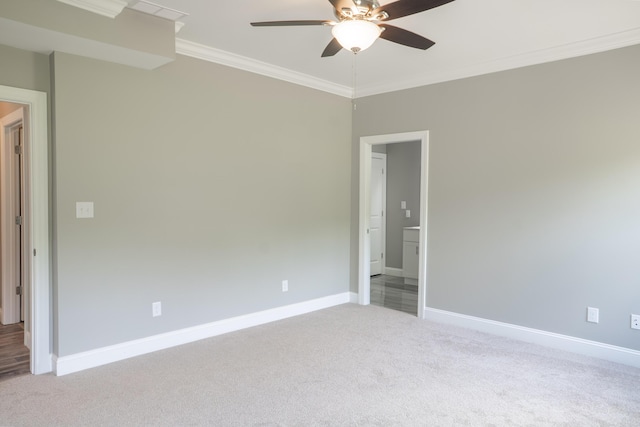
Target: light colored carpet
x,y
348,365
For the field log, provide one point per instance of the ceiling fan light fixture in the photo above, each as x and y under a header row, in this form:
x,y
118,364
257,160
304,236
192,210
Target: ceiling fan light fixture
x,y
356,35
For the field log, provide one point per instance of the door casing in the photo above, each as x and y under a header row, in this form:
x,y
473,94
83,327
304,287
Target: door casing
x,y
366,142
37,289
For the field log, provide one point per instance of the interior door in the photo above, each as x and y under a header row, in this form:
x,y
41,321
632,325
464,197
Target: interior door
x,y
377,220
16,138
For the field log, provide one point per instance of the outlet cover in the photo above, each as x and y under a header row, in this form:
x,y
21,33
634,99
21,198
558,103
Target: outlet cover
x,y
635,321
156,309
84,209
593,315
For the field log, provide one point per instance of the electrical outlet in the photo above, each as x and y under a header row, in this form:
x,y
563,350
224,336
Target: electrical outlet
x,y
285,286
84,209
593,315
635,321
156,309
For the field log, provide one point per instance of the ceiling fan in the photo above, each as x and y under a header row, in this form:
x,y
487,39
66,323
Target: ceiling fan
x,y
361,22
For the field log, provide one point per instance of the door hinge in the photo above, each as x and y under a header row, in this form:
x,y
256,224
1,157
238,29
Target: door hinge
x,y
17,149
18,220
18,290
34,251
381,256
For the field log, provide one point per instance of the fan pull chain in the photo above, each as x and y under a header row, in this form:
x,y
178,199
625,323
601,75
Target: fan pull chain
x,y
354,79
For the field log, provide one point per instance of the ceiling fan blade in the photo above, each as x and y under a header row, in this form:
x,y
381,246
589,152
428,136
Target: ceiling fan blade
x,y
402,8
289,23
404,37
332,48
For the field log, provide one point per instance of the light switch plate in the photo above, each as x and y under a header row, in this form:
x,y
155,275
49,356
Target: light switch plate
x,y
408,213
84,209
403,205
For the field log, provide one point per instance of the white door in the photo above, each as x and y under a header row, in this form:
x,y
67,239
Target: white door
x,y
378,204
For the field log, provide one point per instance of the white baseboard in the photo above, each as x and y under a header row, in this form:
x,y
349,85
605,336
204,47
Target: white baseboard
x,y
27,339
353,297
102,356
600,350
391,271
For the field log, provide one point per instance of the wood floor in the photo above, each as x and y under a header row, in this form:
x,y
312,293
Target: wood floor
x,y
392,292
14,356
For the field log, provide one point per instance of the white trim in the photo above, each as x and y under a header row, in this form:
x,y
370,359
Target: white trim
x,y
549,339
206,53
395,272
27,339
364,285
555,53
102,356
38,290
108,8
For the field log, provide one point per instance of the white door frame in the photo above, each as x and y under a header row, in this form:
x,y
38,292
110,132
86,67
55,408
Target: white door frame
x,y
364,285
37,290
383,224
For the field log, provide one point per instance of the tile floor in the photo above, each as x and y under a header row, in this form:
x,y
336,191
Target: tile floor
x,y
391,292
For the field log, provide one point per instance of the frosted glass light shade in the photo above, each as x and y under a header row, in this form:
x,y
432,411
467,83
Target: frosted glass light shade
x,y
356,35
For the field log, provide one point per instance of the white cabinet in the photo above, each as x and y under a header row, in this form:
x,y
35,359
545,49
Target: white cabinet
x,y
410,251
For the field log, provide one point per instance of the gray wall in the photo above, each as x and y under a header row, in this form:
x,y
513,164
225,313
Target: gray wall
x,y
534,192
211,186
25,70
403,184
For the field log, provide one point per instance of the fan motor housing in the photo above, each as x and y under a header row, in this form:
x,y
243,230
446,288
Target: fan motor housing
x,y
361,9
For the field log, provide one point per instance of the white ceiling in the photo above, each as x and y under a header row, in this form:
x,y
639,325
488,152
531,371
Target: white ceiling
x,y
472,37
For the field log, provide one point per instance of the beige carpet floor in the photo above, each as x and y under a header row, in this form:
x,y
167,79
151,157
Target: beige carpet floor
x,y
345,366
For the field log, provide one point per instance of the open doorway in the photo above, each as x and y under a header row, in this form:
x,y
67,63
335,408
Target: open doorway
x,y
24,222
364,242
14,261
395,285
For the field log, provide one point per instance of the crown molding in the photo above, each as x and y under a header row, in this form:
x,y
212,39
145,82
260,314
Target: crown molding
x,y
109,8
570,50
206,53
